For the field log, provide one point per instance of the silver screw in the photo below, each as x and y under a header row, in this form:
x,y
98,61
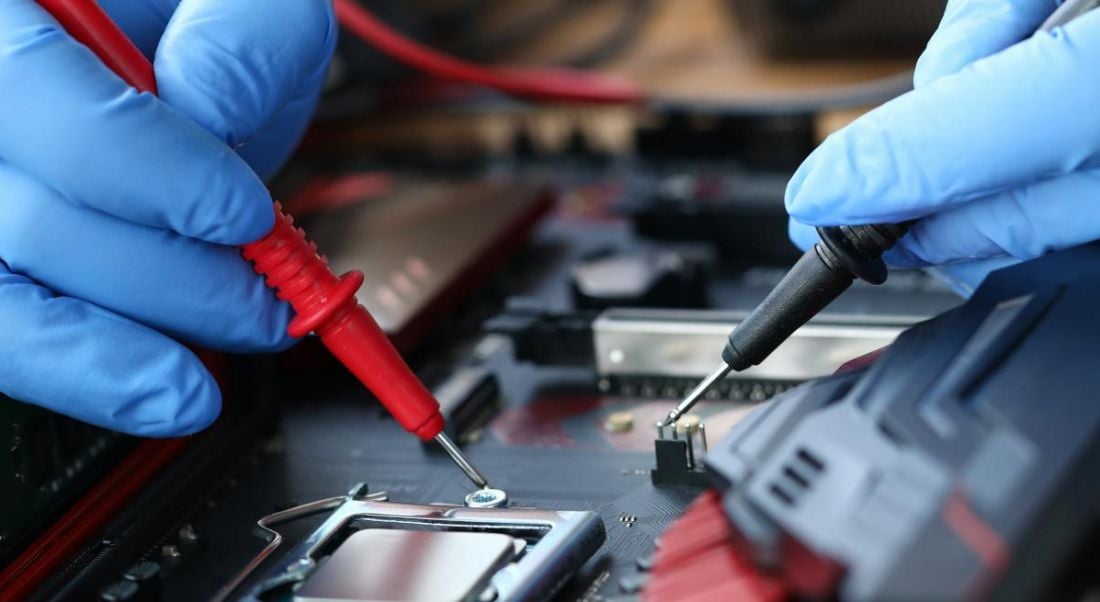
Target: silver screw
x,y
487,498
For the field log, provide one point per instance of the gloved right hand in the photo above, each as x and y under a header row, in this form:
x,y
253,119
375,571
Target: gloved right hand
x,y
997,150
119,210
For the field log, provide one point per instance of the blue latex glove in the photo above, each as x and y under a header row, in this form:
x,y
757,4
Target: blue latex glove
x,y
118,210
998,145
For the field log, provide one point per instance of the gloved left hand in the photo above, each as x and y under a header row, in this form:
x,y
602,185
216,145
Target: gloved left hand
x,y
120,212
996,151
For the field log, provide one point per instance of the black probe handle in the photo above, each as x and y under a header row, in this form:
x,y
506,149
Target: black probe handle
x,y
820,276
804,291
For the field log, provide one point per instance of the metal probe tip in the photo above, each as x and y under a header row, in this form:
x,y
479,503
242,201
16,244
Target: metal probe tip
x,y
700,389
463,462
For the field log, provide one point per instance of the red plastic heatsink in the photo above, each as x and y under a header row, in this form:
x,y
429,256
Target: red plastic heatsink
x,y
695,561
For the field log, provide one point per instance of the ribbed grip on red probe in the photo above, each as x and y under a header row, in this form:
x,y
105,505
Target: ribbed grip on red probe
x,y
326,304
290,265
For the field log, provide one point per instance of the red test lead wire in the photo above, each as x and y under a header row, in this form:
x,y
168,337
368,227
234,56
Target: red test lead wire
x,y
323,302
544,84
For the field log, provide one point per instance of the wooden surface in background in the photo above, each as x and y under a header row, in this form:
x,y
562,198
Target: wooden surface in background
x,y
693,50
687,50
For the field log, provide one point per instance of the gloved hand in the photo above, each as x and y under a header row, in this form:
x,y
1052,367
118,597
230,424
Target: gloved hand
x,y
118,210
997,148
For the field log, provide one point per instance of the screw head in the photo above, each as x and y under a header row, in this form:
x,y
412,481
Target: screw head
x,y
487,498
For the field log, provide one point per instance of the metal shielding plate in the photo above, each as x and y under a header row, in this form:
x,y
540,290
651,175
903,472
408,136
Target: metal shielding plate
x,y
633,342
545,548
387,565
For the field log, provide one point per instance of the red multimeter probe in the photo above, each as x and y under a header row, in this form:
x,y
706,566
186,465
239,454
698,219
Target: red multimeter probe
x,y
323,302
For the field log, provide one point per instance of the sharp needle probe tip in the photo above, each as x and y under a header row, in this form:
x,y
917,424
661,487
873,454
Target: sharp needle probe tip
x,y
464,463
719,373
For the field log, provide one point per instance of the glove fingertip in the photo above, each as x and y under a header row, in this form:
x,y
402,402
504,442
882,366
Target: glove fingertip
x,y
901,257
270,148
200,405
274,336
794,186
965,277
247,213
216,197
930,67
233,66
817,192
951,48
254,222
799,196
180,397
801,235
262,326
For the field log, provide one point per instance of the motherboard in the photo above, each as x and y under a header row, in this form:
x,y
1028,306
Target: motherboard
x,y
555,337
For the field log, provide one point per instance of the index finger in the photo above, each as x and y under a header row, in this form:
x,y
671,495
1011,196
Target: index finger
x,y
233,66
974,29
1021,115
76,126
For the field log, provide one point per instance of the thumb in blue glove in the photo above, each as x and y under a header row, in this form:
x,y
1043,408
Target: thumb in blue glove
x,y
996,150
120,212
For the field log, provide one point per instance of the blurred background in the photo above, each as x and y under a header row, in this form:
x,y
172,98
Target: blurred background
x,y
699,61
685,117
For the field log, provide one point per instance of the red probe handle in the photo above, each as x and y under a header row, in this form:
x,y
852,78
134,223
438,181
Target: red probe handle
x,y
290,263
326,305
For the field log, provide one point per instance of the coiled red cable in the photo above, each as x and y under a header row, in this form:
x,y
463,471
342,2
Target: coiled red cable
x,y
544,84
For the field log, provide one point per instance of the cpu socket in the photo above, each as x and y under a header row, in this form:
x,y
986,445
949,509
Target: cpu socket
x,y
373,549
